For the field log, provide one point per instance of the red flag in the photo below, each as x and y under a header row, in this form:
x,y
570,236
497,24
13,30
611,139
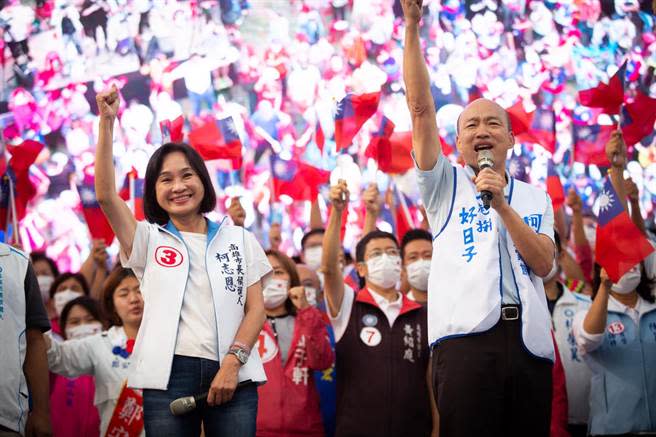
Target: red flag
x,y
296,179
541,130
132,192
172,130
17,174
520,120
590,144
352,112
319,137
403,218
608,97
619,244
637,118
380,148
555,187
97,223
217,140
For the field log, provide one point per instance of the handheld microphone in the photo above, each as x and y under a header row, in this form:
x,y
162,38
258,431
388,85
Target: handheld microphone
x,y
186,404
485,160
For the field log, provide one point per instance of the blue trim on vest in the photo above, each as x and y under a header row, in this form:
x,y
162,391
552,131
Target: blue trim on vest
x,y
453,200
18,393
512,188
18,252
212,229
500,268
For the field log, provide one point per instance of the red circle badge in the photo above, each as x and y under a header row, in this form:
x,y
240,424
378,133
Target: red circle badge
x,y
616,328
167,256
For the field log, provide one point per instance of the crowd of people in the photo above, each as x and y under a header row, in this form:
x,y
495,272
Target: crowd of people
x,y
330,330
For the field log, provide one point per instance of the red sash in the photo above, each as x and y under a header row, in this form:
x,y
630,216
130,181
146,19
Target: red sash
x,y
127,419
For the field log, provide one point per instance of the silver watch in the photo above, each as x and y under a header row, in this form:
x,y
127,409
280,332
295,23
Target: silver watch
x,y
241,354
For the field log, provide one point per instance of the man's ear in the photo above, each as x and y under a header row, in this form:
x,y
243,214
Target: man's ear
x,y
361,268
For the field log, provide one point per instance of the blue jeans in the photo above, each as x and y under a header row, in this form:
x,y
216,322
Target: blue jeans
x,y
191,376
197,100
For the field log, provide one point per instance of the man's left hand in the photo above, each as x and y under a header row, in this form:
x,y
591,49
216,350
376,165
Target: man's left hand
x,y
488,179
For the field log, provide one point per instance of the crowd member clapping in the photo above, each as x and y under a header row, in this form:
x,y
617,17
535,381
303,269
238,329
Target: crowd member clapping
x,y
105,355
293,344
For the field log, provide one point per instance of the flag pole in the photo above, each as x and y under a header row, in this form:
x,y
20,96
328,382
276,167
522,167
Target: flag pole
x,y
12,210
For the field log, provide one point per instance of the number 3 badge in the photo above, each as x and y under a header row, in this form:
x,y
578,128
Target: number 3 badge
x,y
167,256
370,336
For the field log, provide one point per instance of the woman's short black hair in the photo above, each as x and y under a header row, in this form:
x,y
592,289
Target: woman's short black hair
x,y
41,256
89,304
643,289
153,212
68,275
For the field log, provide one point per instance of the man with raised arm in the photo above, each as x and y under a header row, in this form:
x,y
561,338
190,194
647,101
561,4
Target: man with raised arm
x,y
380,335
488,319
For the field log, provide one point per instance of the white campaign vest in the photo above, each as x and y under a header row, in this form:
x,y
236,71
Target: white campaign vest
x,y
577,372
163,288
13,386
465,285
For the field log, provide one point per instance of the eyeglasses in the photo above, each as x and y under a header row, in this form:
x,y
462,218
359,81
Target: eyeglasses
x,y
389,252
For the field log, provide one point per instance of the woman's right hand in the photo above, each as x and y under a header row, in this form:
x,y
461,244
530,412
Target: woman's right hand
x,y
339,195
108,103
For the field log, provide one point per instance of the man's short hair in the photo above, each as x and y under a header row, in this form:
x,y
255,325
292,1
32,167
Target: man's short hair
x,y
361,247
311,232
412,235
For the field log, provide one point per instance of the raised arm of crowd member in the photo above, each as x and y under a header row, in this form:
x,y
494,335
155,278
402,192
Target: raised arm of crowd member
x,y
333,286
582,249
595,319
633,194
616,154
425,138
116,210
236,212
94,268
372,205
316,222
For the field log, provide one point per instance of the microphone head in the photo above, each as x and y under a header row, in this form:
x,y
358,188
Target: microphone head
x,y
485,159
182,405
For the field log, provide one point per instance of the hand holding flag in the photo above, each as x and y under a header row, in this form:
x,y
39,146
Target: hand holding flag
x,y
616,149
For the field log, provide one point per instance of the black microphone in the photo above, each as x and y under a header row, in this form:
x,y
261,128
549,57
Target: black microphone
x,y
186,404
485,160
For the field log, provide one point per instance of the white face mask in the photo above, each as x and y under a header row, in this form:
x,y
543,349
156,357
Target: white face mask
x,y
45,281
418,274
312,256
554,271
384,271
627,283
311,295
85,330
63,297
275,293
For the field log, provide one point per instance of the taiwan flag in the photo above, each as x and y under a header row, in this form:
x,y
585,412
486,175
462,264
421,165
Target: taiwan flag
x,y
380,148
637,118
619,244
403,216
97,223
542,128
590,144
16,181
555,187
132,192
296,179
520,120
172,130
351,113
217,139
607,97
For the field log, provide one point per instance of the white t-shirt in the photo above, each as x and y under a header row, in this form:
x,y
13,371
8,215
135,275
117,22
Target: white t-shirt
x,y
390,309
197,331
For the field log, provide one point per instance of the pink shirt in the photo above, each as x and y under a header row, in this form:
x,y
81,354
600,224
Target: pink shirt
x,y
72,410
